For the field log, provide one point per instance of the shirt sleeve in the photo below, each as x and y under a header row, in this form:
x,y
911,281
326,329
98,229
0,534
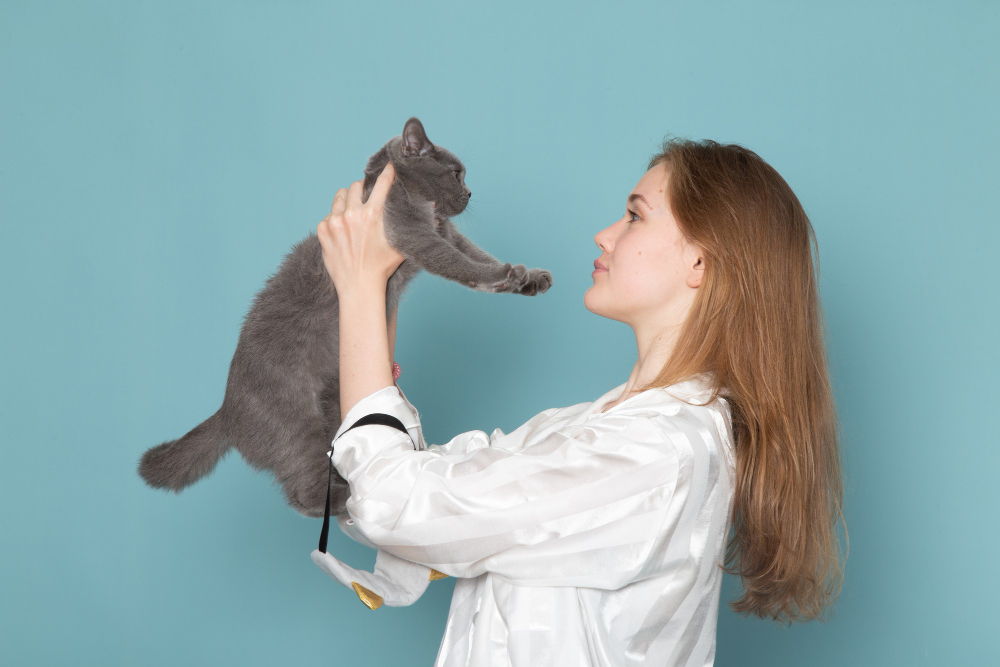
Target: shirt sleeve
x,y
391,400
586,505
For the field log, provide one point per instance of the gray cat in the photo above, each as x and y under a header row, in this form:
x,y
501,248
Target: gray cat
x,y
282,403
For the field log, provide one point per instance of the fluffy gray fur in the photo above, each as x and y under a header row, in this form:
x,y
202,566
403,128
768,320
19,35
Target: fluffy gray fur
x,y
282,403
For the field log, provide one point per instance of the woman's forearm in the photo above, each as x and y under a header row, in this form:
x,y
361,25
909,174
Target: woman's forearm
x,y
365,358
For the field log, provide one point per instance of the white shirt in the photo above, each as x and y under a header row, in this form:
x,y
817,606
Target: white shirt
x,y
580,538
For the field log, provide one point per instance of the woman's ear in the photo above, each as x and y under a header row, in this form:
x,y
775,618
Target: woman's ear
x,y
697,270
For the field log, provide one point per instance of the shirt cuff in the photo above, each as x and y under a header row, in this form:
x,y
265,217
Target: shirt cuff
x,y
355,448
387,400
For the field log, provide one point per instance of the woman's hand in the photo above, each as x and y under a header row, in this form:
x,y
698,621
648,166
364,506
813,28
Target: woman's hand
x,y
356,252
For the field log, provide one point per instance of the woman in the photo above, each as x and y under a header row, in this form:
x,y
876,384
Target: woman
x,y
596,534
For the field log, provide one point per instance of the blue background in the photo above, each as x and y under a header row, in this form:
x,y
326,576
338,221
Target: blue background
x,y
158,161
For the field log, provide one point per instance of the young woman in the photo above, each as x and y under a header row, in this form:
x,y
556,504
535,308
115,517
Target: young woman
x,y
597,534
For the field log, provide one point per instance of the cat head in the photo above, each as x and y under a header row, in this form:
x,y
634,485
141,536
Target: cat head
x,y
425,170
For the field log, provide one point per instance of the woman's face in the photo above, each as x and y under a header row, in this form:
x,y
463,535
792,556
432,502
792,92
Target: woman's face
x,y
652,272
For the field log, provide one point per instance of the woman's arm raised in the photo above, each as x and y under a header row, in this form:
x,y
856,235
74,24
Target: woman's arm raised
x,y
360,261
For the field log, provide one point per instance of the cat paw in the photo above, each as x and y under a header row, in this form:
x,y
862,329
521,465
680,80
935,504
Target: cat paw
x,y
514,278
539,281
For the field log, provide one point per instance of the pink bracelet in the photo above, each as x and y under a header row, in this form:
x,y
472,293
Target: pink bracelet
x,y
396,371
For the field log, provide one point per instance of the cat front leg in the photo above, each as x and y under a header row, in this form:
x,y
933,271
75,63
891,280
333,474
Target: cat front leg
x,y
448,230
528,281
519,279
437,255
413,229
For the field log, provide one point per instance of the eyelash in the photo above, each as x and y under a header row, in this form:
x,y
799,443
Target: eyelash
x,y
635,214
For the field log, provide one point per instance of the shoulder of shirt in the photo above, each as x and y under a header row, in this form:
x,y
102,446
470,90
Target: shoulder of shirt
x,y
665,401
664,407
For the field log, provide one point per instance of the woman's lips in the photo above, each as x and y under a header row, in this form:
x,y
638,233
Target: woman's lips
x,y
598,267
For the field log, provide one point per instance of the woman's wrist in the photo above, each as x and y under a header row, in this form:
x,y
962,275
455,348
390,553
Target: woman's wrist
x,y
365,362
363,290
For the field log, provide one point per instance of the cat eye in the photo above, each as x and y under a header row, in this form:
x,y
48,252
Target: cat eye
x,y
458,174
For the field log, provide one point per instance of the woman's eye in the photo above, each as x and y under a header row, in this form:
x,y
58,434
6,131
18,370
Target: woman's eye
x,y
633,214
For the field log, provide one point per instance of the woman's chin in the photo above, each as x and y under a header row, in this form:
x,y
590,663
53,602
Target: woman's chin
x,y
590,303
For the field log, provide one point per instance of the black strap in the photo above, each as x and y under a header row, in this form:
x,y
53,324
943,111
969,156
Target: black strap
x,y
373,418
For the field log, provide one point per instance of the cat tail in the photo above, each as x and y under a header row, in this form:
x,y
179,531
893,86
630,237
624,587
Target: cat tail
x,y
180,463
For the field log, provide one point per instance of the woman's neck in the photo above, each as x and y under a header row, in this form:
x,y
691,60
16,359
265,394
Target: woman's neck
x,y
653,351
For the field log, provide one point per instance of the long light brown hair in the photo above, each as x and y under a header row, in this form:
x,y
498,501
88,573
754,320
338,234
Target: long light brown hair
x,y
757,324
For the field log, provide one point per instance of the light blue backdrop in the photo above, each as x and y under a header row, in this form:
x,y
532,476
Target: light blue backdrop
x,y
158,161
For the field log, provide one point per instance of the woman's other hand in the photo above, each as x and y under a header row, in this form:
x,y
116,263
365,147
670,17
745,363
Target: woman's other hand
x,y
356,252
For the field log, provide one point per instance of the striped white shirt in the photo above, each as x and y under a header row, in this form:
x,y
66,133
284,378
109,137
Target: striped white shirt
x,y
580,538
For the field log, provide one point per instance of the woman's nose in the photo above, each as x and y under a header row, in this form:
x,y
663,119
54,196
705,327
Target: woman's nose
x,y
602,240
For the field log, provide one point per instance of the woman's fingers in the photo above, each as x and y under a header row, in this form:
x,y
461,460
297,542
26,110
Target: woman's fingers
x,y
354,194
351,198
382,184
339,202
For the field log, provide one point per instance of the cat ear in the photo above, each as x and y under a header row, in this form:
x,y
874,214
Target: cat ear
x,y
415,141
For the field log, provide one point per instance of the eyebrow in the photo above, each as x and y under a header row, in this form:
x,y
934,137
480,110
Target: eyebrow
x,y
632,197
